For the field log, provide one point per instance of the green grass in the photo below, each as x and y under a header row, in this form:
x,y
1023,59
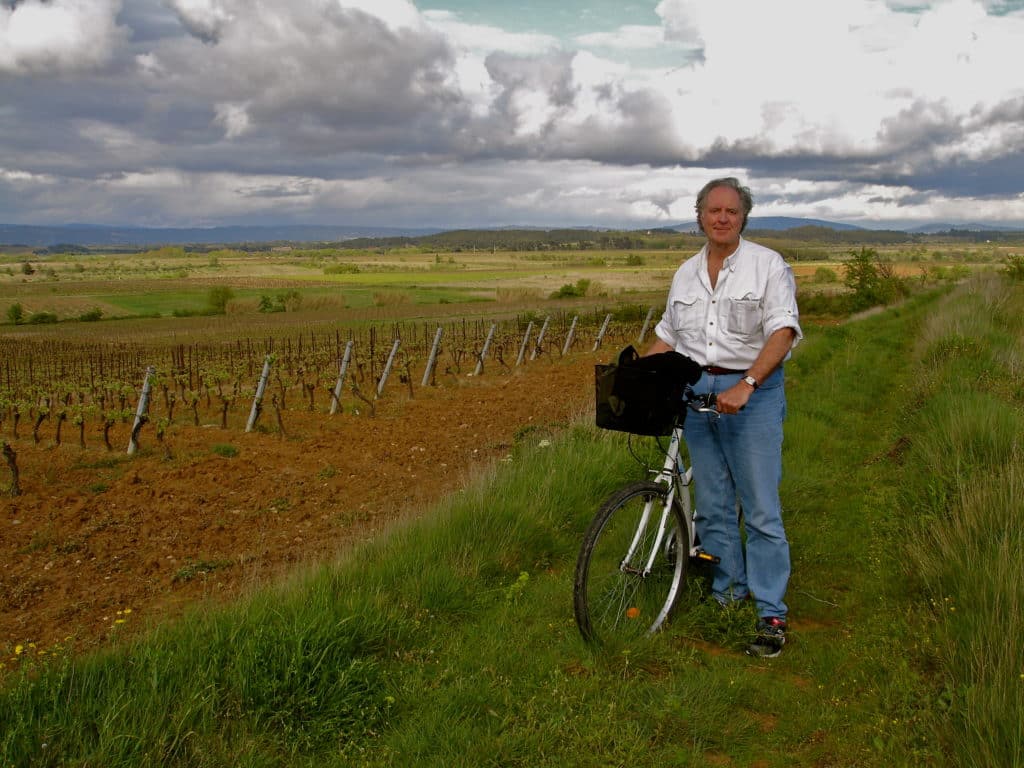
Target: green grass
x,y
450,642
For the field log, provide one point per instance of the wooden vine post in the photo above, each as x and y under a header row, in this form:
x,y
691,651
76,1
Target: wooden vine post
x,y
387,368
428,374
141,412
483,352
257,400
569,336
601,333
537,348
647,323
345,360
526,340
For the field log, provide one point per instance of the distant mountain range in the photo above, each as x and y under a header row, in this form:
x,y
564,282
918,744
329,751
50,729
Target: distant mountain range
x,y
92,235
88,234
789,222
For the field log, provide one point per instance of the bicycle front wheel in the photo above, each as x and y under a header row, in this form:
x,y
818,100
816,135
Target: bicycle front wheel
x,y
627,580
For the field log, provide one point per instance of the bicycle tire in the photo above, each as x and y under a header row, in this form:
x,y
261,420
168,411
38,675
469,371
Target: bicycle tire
x,y
615,603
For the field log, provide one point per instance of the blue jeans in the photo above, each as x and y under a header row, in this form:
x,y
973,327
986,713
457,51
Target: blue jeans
x,y
737,468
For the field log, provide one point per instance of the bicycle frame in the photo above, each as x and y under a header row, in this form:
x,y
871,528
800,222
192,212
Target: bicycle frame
x,y
677,477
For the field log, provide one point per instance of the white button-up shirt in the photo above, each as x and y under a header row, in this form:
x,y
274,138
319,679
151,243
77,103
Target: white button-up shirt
x,y
727,325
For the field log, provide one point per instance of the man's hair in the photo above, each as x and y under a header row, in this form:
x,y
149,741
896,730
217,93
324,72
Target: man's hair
x,y
746,199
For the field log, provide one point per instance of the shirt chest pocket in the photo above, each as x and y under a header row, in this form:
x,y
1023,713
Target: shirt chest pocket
x,y
688,315
744,317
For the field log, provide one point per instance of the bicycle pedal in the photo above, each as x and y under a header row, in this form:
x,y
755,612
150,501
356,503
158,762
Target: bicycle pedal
x,y
707,557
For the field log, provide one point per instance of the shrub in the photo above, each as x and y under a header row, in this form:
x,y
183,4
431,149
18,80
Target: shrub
x,y
42,318
218,297
283,302
91,315
872,280
16,313
571,291
268,304
825,275
1014,266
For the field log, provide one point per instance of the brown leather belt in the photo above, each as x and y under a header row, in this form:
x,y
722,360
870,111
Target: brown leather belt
x,y
716,370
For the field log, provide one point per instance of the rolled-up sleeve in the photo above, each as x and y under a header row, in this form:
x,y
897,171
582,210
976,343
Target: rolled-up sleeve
x,y
780,309
663,330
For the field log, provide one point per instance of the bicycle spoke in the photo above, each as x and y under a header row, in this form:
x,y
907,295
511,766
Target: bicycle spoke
x,y
616,598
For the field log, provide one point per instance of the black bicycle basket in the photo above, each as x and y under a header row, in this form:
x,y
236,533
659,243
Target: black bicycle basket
x,y
643,395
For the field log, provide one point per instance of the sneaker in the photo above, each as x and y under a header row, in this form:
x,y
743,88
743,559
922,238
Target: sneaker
x,y
771,636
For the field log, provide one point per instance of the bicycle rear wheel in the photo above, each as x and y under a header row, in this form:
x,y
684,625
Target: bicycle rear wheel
x,y
614,598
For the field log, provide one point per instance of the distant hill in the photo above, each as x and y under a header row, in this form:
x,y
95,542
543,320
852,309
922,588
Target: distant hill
x,y
932,229
789,222
778,223
86,234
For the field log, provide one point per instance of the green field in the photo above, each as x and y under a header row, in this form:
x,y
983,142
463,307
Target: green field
x,y
349,285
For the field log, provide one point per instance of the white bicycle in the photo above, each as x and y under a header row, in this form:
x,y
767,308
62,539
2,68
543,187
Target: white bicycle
x,y
629,573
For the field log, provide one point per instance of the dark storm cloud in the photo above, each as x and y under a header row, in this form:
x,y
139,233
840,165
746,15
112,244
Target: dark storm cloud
x,y
338,81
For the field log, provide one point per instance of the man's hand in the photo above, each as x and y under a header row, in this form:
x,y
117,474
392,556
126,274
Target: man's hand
x,y
734,398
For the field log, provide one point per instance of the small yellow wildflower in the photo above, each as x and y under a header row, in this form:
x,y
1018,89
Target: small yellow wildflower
x,y
18,649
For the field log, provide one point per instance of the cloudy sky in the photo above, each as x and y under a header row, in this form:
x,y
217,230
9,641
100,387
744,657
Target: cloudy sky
x,y
458,113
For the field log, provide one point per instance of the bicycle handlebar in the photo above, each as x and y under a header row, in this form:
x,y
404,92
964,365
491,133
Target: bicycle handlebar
x,y
700,403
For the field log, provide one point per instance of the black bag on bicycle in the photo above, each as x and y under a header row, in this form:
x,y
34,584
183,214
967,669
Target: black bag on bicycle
x,y
643,395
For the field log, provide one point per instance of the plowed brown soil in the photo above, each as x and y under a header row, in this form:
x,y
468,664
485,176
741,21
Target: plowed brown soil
x,y
99,543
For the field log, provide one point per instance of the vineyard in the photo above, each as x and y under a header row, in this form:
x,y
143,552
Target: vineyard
x,y
52,386
109,507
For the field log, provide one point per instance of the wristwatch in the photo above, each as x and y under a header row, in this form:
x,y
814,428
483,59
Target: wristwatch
x,y
751,381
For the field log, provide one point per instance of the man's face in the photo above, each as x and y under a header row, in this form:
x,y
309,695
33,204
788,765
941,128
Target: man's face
x,y
722,217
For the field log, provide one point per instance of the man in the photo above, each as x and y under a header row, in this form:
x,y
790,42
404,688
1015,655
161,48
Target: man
x,y
732,308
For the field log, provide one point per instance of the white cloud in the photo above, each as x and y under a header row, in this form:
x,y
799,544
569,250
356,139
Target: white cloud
x,y
802,76
630,37
203,18
208,19
38,37
234,118
23,177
